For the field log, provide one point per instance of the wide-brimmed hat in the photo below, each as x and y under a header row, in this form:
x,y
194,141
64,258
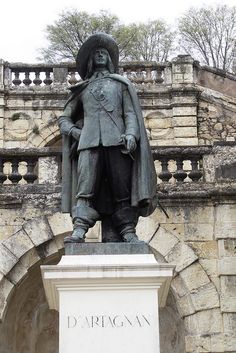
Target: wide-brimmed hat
x,y
96,40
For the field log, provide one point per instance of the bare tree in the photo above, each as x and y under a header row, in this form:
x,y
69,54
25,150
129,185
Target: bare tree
x,y
146,41
152,41
209,34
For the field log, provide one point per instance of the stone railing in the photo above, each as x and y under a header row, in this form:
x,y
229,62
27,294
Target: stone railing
x,y
47,75
28,166
179,164
40,166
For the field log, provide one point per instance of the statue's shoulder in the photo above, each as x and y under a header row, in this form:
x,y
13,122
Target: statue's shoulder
x,y
121,79
79,86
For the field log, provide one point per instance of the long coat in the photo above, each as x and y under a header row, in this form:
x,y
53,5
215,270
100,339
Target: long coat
x,y
143,185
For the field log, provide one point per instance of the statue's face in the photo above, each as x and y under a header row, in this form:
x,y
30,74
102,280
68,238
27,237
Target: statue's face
x,y
100,57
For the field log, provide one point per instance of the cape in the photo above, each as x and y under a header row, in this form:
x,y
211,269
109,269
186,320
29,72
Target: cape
x,y
144,180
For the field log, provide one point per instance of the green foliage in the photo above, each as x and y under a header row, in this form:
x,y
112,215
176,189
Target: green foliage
x,y
209,34
150,41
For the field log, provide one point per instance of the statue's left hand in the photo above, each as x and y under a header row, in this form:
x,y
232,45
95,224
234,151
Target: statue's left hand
x,y
130,143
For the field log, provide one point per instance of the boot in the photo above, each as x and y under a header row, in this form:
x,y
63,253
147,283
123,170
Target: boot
x,y
84,217
125,220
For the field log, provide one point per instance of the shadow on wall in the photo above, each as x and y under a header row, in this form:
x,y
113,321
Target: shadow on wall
x,y
30,327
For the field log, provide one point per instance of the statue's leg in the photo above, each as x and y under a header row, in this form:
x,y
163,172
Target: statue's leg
x,y
83,214
125,217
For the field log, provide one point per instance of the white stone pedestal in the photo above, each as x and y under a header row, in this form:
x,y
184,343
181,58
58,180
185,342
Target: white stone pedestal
x,y
108,303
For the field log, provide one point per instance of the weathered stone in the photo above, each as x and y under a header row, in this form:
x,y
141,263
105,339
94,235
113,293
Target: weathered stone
x,y
186,141
48,170
38,230
205,343
185,305
227,247
60,223
205,249
184,111
205,322
189,131
227,266
229,322
19,243
181,255
158,123
17,273
211,268
228,293
194,277
30,258
181,121
5,290
146,228
198,231
7,260
163,241
179,287
205,297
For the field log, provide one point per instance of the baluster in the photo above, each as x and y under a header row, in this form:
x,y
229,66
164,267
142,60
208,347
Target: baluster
x,y
148,78
165,174
37,81
128,74
30,175
195,173
3,177
180,174
159,78
17,81
72,80
27,81
47,81
139,76
14,177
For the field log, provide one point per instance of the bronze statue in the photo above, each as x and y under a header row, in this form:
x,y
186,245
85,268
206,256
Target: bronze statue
x,y
108,169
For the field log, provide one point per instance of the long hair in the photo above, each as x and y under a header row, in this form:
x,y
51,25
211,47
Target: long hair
x,y
90,67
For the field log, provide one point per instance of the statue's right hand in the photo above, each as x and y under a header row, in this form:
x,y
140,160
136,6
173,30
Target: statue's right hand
x,y
75,132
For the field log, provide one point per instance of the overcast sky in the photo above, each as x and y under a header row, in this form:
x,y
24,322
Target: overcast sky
x,y
23,22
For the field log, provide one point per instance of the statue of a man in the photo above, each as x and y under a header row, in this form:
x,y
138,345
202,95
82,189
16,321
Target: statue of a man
x,y
107,162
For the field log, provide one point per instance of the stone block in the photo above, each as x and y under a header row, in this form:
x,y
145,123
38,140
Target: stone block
x,y
230,342
198,231
198,214
17,273
163,241
194,277
7,230
30,258
94,233
189,131
5,291
205,249
146,228
7,260
211,268
181,121
188,141
205,297
48,170
162,134
185,305
60,223
229,322
179,287
182,256
1,123
205,343
227,266
206,322
159,123
38,230
19,243
227,247
176,229
228,293
225,221
184,111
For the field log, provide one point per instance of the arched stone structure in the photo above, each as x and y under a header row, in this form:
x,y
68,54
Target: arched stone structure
x,y
193,295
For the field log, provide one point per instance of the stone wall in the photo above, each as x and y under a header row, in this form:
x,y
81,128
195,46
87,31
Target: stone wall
x,y
189,113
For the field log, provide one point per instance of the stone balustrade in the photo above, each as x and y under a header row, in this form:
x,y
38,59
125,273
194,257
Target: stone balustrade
x,y
40,166
28,166
46,75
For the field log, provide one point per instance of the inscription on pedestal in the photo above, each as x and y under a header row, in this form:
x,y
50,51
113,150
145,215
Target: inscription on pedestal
x,y
108,321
